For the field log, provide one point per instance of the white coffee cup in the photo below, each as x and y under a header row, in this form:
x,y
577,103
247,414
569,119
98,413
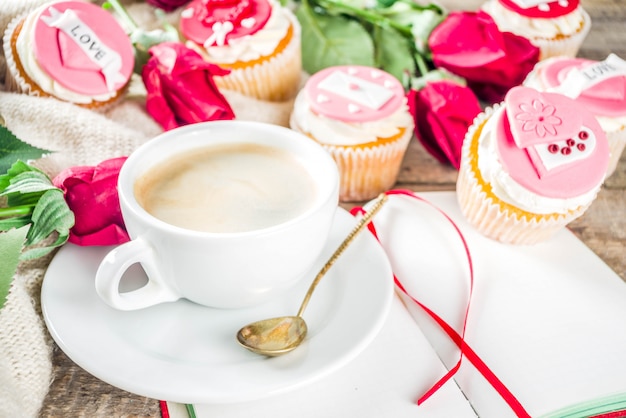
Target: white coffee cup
x,y
218,269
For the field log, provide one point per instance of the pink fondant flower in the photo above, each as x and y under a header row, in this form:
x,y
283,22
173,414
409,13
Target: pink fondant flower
x,y
538,117
469,44
443,111
167,5
180,87
91,194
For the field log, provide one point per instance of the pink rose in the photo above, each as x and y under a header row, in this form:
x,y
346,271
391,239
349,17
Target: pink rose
x,y
180,87
167,5
443,111
91,194
470,45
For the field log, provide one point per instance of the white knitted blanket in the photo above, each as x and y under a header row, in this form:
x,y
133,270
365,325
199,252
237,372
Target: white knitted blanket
x,y
78,137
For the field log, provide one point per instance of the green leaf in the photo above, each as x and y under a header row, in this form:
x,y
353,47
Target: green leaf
x,y
332,40
33,199
421,28
28,182
418,83
33,253
393,53
11,243
14,170
13,149
15,222
143,40
50,215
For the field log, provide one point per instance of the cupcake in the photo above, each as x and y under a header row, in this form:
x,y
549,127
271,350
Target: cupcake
x,y
71,50
360,116
530,165
257,40
555,27
598,85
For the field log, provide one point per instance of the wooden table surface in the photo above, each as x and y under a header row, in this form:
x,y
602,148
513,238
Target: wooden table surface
x,y
76,393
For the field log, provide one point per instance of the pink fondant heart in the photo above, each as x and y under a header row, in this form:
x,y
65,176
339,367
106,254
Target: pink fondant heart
x,y
72,56
540,118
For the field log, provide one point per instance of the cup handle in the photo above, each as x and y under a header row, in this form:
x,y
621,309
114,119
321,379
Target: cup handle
x,y
112,268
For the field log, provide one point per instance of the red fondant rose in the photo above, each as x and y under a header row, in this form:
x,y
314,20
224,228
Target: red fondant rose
x,y
443,111
91,194
470,45
180,87
167,5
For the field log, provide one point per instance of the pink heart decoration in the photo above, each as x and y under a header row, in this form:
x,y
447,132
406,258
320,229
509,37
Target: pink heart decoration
x,y
72,56
541,118
540,122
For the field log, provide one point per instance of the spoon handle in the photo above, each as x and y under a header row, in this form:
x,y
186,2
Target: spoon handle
x,y
380,200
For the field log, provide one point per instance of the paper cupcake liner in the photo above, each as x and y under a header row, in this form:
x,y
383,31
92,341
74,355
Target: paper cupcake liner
x,y
14,81
565,46
368,171
617,143
488,214
276,79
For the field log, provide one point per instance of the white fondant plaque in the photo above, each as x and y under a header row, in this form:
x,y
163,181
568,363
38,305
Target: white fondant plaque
x,y
355,89
566,151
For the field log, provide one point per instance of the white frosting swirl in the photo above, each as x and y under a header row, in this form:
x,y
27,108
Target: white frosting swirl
x,y
261,43
336,132
532,27
510,191
611,124
25,51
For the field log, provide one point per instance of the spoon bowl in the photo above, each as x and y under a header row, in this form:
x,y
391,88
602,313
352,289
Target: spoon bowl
x,y
274,336
280,335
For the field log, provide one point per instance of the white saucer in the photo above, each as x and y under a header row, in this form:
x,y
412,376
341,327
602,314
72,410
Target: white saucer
x,y
187,353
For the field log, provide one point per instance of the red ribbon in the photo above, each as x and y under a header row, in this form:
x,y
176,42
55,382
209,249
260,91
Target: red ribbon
x,y
458,339
165,412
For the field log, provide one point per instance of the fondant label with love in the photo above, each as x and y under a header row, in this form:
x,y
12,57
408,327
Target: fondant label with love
x,y
582,79
83,48
106,59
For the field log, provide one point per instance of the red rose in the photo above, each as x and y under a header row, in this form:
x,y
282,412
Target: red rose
x,y
180,87
443,111
91,194
167,5
469,44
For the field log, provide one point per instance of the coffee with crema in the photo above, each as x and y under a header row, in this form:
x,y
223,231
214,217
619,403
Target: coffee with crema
x,y
232,187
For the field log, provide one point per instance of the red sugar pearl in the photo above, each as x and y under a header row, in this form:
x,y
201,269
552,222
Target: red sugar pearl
x,y
566,150
553,148
570,142
583,135
581,147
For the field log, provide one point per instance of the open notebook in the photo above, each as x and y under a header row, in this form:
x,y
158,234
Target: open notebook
x,y
547,321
